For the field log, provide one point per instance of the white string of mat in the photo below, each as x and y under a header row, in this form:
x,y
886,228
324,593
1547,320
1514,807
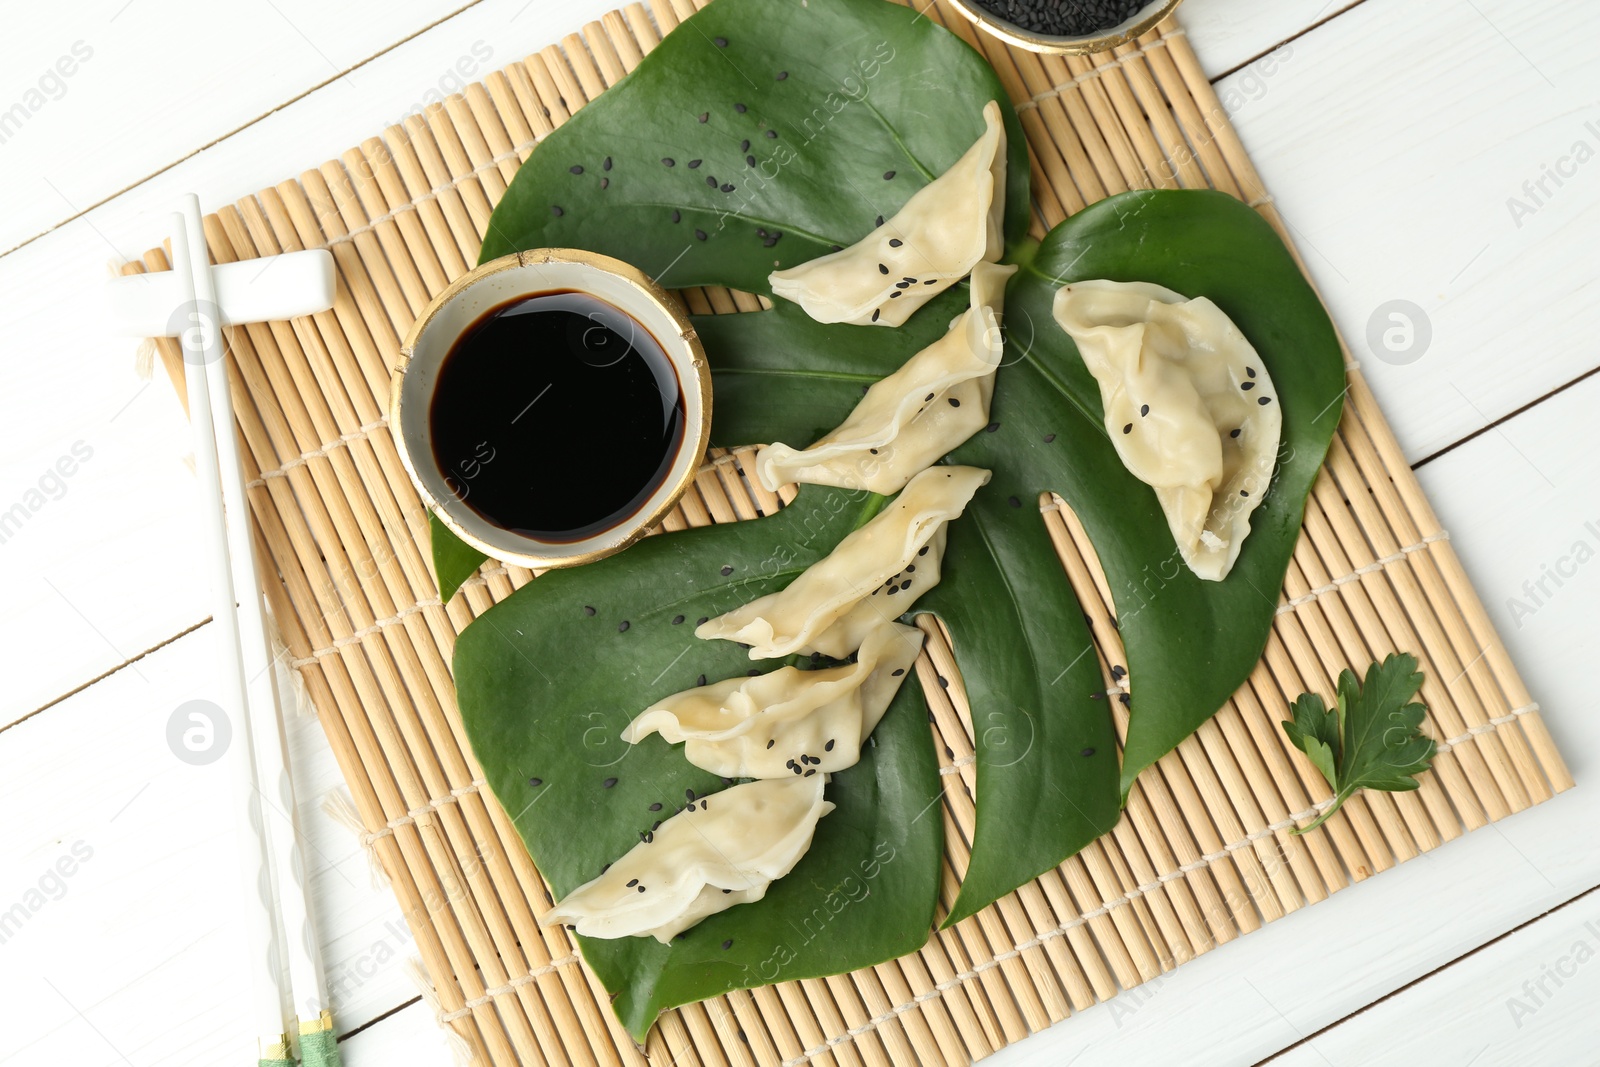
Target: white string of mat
x,y
1127,898
361,433
1089,75
1361,572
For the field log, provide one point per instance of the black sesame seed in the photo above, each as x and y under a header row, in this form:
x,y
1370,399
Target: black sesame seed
x,y
668,161
930,717
705,116
760,232
1144,410
1244,492
910,567
753,672
606,868
1088,752
587,610
750,161
894,294
1264,401
606,163
633,883
923,551
888,175
1119,672
575,169
691,806
649,837
905,285
898,671
829,746
879,222
744,145
556,211
1235,433
772,135
727,187
641,889
727,890
783,75
1128,428
893,589
700,235
1049,437
703,620
771,741
944,683
622,627
949,753
953,401
991,428
677,216
727,944
1127,701
895,242
605,183
769,242
882,269
677,620
710,181
927,398
694,164
740,108
837,248
726,571
608,783
1251,371
720,42
809,773
656,806
536,782
931,281
1014,502
795,767
874,319
1247,386
700,681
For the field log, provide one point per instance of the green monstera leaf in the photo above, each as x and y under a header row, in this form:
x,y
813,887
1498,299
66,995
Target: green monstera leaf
x,y
869,88
1023,649
548,678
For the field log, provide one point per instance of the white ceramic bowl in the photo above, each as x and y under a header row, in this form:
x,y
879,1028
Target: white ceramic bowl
x,y
524,274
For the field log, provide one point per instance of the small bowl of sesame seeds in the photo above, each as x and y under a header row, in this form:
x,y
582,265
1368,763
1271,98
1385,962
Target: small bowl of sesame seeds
x,y
1066,27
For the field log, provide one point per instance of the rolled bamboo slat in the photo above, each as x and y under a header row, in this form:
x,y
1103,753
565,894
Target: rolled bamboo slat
x,y
1204,853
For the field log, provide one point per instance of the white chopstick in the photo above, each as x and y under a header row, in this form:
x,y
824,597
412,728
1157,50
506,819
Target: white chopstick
x,y
277,873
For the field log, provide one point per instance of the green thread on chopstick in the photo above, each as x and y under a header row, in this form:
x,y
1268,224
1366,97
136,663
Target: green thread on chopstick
x,y
319,1047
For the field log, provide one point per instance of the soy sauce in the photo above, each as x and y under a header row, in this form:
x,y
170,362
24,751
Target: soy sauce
x,y
556,416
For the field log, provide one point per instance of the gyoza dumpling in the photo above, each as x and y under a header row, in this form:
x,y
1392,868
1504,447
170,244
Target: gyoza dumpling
x,y
1188,405
799,615
703,860
787,722
932,242
935,401
889,601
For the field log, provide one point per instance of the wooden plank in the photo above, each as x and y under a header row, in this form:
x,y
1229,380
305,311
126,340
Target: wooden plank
x,y
1394,157
137,951
1527,999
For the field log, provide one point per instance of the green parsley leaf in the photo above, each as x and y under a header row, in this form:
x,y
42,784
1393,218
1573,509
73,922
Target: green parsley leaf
x,y
1371,739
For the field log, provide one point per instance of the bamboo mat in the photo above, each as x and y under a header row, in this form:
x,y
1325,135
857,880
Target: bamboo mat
x,y
1203,854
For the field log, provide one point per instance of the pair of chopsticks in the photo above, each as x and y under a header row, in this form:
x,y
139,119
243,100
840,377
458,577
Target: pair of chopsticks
x,y
193,302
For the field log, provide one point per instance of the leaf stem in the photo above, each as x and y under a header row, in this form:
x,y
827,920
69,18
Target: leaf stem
x,y
1338,802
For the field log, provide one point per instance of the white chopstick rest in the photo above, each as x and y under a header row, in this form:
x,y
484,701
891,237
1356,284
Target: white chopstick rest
x,y
193,302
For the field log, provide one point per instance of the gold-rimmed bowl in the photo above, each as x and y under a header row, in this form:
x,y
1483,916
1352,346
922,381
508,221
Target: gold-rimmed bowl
x,y
524,274
1141,22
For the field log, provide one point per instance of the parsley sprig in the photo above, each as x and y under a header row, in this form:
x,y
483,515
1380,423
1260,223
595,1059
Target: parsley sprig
x,y
1371,739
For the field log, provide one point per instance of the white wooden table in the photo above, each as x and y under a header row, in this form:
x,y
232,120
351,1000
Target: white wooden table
x,y
1428,152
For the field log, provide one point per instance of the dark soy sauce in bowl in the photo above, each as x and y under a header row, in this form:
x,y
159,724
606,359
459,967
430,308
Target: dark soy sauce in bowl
x,y
556,416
